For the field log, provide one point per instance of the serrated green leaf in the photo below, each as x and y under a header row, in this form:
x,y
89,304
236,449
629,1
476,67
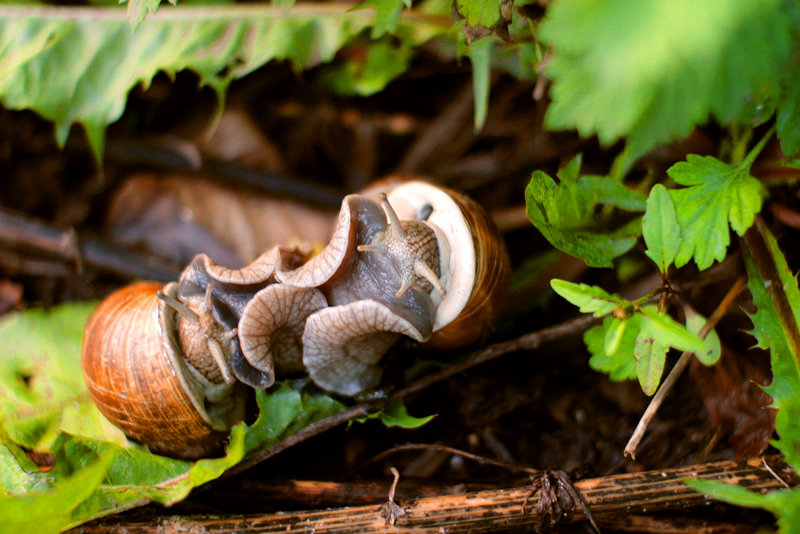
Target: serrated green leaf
x,y
660,229
563,213
79,68
610,192
618,366
590,299
649,71
716,194
479,12
669,332
650,354
712,347
769,331
138,10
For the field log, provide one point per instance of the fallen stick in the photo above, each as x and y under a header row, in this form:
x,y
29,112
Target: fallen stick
x,y
486,510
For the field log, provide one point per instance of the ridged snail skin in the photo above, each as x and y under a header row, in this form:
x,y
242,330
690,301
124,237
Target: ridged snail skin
x,y
139,379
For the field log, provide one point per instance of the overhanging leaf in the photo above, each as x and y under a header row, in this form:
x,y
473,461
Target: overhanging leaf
x,y
650,354
649,71
79,68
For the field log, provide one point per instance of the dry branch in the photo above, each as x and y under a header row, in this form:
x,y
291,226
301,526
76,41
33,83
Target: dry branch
x,y
483,511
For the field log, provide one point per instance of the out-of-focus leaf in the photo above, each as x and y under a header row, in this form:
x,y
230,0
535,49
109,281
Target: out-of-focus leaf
x,y
80,68
479,12
660,229
589,299
788,118
138,10
368,74
649,71
51,510
42,390
387,13
480,54
614,335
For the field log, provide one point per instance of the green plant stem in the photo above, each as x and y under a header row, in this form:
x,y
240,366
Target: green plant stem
x,y
747,162
683,361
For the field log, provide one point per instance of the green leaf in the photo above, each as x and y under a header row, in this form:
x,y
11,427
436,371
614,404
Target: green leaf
x,y
712,348
283,5
51,510
590,299
368,74
788,118
670,333
785,504
387,14
480,55
479,12
771,334
650,354
42,390
620,365
614,335
138,10
564,214
717,194
660,229
649,71
396,414
76,68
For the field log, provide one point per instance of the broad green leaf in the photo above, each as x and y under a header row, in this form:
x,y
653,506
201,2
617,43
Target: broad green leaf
x,y
78,69
610,192
670,333
712,348
649,71
785,504
480,55
42,390
660,228
590,299
563,213
138,10
769,331
716,194
479,12
650,353
620,365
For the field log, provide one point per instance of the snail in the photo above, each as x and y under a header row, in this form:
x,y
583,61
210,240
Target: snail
x,y
172,366
421,261
164,364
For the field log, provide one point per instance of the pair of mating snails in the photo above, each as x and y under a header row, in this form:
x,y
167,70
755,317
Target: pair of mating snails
x,y
171,365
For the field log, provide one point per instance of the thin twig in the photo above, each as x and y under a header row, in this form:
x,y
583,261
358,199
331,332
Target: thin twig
x,y
452,450
683,361
773,473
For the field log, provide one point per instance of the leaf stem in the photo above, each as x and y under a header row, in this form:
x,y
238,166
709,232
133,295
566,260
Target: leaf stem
x,y
747,162
675,373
